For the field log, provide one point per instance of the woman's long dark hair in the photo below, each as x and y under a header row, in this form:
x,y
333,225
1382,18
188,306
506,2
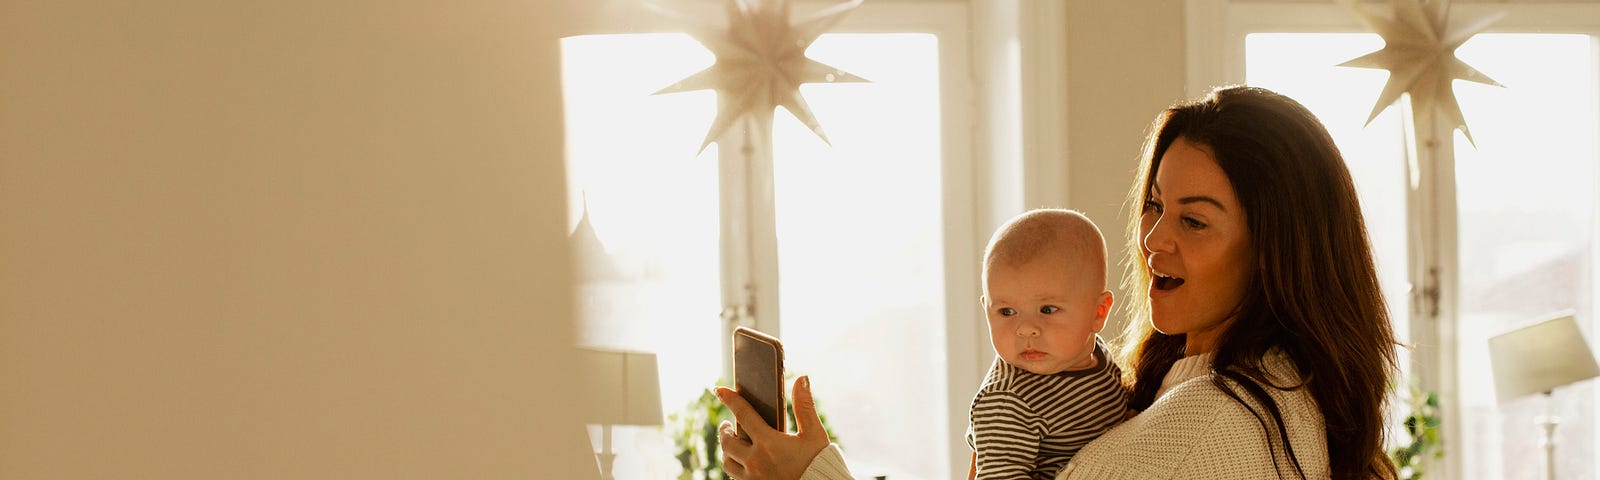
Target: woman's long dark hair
x,y
1314,291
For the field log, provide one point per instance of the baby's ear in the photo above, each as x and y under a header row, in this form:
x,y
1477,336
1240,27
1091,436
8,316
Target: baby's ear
x,y
983,301
1102,310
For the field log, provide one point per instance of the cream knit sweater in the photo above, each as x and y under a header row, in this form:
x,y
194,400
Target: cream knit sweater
x,y
1195,431
1192,431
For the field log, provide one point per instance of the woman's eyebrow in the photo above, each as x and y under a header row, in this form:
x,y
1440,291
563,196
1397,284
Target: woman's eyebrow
x,y
1201,199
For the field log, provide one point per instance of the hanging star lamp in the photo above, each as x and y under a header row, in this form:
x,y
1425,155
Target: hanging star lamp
x,y
1419,53
761,63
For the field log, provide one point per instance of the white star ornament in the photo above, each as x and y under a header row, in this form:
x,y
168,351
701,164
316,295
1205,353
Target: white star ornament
x,y
1419,53
761,63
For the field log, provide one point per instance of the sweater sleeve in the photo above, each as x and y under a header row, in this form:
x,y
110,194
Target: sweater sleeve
x,y
828,465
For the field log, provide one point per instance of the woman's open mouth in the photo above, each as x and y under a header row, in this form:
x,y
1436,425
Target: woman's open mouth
x,y
1165,283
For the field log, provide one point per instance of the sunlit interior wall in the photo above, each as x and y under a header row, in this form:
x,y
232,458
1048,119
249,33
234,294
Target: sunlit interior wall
x,y
1125,62
283,240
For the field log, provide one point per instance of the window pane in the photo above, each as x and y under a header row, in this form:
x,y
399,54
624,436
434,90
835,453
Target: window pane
x,y
645,220
860,253
1526,200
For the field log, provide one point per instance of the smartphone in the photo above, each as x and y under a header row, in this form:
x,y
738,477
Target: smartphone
x,y
758,375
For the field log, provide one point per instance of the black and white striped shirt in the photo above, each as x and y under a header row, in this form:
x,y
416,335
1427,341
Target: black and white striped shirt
x,y
1024,425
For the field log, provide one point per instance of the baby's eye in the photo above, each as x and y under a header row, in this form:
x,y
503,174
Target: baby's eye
x,y
1007,311
1049,309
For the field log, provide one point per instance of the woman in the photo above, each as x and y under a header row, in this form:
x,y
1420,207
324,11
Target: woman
x,y
1267,351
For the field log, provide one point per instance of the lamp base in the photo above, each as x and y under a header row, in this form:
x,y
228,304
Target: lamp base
x,y
1549,421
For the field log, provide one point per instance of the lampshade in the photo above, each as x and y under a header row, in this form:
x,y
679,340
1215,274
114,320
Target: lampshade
x,y
626,388
1540,357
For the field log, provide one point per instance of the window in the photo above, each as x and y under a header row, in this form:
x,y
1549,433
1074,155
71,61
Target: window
x,y
1525,200
1515,214
860,252
645,224
854,280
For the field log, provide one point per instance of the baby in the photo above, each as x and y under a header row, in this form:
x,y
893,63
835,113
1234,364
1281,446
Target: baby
x,y
1053,387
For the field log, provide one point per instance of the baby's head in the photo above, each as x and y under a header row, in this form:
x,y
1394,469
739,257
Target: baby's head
x,y
1044,275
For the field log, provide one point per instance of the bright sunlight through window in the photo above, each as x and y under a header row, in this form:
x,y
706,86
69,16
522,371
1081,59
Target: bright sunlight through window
x,y
859,225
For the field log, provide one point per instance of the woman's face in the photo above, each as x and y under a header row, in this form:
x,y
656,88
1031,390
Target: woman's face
x,y
1196,245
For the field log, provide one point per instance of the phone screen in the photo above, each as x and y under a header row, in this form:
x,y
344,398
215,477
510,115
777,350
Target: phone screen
x,y
758,374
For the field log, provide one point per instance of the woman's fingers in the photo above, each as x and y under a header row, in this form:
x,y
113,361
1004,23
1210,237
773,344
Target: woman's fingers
x,y
750,422
735,451
734,470
806,419
732,446
767,453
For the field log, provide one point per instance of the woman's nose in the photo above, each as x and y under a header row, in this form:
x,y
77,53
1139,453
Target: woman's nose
x,y
1156,238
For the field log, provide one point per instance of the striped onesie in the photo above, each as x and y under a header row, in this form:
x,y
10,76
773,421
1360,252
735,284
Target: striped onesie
x,y
1024,425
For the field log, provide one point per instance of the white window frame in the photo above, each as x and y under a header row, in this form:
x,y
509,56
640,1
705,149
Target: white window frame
x,y
1216,31
1000,156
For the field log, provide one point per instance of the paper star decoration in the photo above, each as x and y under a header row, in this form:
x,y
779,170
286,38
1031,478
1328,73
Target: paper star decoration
x,y
1419,53
761,63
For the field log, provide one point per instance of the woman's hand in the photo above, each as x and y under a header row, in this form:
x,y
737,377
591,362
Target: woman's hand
x,y
768,453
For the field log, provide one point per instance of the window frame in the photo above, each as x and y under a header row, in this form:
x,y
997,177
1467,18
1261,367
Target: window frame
x,y
1216,31
999,154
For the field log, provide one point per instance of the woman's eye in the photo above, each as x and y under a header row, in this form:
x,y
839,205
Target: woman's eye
x,y
1192,223
1049,309
1007,311
1150,206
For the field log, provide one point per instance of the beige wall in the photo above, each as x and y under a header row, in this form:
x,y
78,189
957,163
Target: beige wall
x,y
1125,62
293,239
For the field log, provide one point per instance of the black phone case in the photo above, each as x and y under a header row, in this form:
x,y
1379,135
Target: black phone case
x,y
758,374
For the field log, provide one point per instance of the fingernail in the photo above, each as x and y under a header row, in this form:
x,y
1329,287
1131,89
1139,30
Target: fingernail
x,y
805,381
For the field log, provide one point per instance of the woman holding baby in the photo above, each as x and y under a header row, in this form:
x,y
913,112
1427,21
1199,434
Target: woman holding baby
x,y
1260,345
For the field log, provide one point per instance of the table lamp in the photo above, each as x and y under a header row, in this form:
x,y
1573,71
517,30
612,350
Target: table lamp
x,y
626,392
1538,358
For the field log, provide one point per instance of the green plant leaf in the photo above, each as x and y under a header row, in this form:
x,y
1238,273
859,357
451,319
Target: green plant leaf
x,y
1421,437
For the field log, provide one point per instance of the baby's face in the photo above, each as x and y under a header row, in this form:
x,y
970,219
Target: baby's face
x,y
1042,317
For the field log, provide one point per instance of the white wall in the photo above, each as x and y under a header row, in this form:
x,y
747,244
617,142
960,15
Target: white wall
x,y
293,239
1125,63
